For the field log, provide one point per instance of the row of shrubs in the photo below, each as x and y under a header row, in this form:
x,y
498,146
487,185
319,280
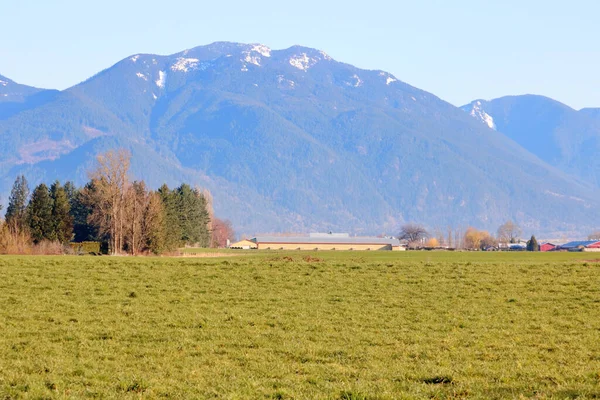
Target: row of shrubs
x,y
94,248
21,243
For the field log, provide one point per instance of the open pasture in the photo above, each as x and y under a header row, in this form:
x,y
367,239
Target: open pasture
x,y
368,325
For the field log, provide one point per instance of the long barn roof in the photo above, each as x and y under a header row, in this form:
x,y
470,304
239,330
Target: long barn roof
x,y
325,240
584,243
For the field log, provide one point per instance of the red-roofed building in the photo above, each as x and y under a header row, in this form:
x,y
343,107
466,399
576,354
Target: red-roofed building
x,y
547,247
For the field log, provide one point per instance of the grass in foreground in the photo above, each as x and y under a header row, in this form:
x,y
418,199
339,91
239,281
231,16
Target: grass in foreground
x,y
301,325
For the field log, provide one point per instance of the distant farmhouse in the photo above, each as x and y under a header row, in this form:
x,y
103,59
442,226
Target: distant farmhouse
x,y
319,241
547,246
584,245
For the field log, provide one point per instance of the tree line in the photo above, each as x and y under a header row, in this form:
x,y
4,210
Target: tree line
x,y
416,236
125,216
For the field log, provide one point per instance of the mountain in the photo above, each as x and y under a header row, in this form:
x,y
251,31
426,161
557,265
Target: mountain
x,y
293,140
559,135
11,91
15,97
591,112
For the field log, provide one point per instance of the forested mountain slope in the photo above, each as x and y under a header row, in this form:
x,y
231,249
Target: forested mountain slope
x,y
292,140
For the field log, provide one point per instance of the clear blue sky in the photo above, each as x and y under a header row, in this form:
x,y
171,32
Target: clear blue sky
x,y
459,50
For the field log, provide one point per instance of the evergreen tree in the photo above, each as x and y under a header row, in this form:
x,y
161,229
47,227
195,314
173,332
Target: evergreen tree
x,y
82,230
193,216
532,244
70,190
39,214
17,205
62,220
171,220
154,224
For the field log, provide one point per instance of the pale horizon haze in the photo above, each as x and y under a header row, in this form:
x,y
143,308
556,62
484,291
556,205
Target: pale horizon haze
x,y
459,51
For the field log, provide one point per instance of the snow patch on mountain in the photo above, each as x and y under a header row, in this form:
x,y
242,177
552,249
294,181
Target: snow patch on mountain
x,y
162,77
262,50
285,83
478,113
135,58
302,61
252,59
185,64
389,79
3,83
554,193
253,56
325,56
141,76
357,81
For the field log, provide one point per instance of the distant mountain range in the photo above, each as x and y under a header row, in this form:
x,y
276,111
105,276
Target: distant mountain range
x,y
292,140
556,133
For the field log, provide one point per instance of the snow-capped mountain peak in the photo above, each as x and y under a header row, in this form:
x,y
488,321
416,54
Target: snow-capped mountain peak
x,y
253,55
479,113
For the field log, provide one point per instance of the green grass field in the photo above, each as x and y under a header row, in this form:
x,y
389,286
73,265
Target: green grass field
x,y
346,325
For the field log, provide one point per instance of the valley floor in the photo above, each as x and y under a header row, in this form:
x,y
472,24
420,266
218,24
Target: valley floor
x,y
346,325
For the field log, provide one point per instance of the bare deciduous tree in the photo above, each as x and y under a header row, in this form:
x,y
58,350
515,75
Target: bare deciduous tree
x,y
412,233
106,198
136,202
211,212
221,232
594,235
509,232
144,228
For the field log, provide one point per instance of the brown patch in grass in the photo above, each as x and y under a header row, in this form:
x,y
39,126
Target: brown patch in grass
x,y
208,255
310,259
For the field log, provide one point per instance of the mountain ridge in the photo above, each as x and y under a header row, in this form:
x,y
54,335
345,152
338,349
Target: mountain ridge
x,y
553,131
291,140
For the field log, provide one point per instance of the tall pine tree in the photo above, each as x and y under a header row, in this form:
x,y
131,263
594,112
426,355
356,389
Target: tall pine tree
x,y
193,216
154,224
173,232
532,244
17,205
83,231
62,221
39,214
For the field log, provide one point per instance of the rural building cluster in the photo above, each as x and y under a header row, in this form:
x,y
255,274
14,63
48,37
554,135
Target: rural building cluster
x,y
343,241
